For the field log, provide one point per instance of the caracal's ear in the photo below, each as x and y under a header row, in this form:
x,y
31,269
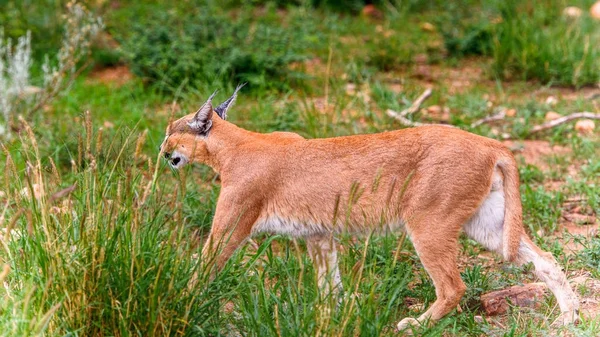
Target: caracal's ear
x,y
222,109
202,120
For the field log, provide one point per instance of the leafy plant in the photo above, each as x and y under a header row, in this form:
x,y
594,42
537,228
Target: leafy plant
x,y
465,32
211,47
539,43
16,91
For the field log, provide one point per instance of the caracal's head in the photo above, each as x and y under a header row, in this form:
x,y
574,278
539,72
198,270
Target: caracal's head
x,y
186,137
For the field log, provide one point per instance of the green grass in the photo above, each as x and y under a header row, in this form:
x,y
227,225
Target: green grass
x,y
114,257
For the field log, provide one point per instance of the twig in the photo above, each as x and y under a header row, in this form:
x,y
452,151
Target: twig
x,y
403,120
401,116
562,120
416,104
489,119
575,200
407,122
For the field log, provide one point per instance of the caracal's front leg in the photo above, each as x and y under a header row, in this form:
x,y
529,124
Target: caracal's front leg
x,y
322,251
231,227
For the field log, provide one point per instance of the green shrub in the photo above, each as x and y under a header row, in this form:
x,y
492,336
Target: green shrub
x,y
170,49
539,43
466,32
40,17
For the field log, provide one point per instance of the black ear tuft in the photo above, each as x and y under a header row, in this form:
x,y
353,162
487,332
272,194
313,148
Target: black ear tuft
x,y
222,109
202,120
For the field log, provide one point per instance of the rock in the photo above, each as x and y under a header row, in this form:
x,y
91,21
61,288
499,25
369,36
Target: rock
x,y
551,115
572,12
585,126
229,307
371,11
551,100
108,125
428,27
478,319
529,295
511,112
350,89
595,10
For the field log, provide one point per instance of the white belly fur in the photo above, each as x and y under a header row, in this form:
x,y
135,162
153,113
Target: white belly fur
x,y
486,225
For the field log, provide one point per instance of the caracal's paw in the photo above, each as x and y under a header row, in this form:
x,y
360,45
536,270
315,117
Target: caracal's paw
x,y
568,317
406,324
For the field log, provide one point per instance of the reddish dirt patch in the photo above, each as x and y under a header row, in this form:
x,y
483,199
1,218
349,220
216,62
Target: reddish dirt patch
x,y
459,79
118,75
536,152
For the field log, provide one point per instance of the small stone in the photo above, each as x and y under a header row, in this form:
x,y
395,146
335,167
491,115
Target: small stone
x,y
585,126
108,125
529,295
511,112
371,11
350,89
478,319
595,10
551,115
434,109
572,12
551,100
428,27
229,307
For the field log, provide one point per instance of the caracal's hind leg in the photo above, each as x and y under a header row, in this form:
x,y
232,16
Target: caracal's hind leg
x,y
549,271
487,227
436,243
323,253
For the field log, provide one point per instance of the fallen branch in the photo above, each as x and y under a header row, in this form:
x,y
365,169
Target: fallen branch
x,y
416,104
407,122
489,119
401,116
562,120
403,120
